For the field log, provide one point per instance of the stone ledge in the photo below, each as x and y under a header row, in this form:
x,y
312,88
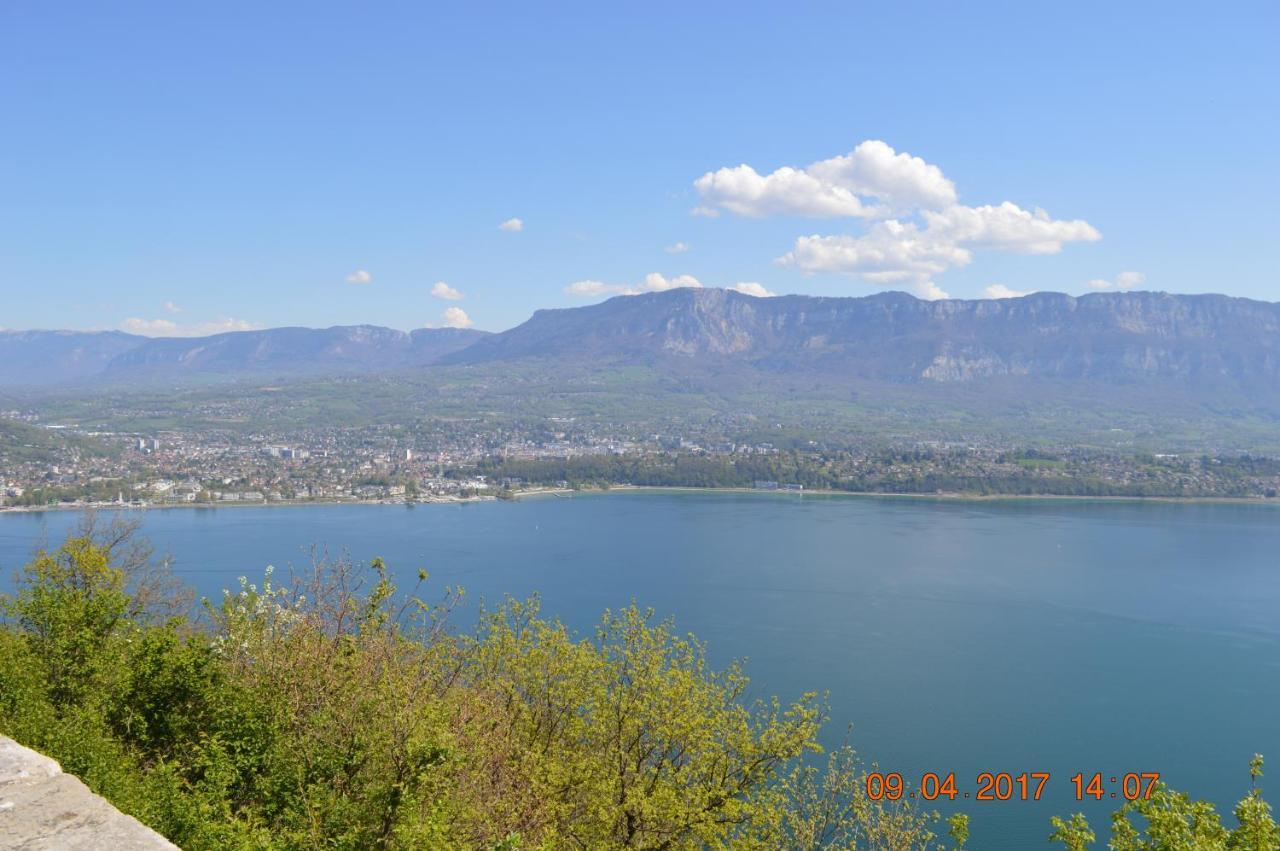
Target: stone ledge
x,y
42,808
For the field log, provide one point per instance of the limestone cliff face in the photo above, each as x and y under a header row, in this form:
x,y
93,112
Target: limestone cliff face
x,y
893,336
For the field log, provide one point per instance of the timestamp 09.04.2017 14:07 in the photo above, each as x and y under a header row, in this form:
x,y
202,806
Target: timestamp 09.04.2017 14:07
x,y
1006,786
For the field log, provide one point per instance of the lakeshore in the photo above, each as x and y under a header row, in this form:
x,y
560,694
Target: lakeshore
x,y
950,497
568,492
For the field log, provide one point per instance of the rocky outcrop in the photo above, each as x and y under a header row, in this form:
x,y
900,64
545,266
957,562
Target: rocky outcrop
x,y
1114,338
43,808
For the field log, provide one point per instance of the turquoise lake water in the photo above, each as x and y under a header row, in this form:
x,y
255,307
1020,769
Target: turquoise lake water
x,y
1015,636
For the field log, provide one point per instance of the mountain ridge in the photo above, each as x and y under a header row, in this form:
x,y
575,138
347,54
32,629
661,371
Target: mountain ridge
x,y
30,358
1114,338
897,337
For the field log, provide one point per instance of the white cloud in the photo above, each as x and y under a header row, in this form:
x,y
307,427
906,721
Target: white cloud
x,y
921,229
787,191
1008,227
929,291
359,277
890,252
1123,281
455,317
895,252
593,288
172,307
878,171
443,290
753,289
677,248
832,188
1001,291
150,327
512,225
652,283
169,328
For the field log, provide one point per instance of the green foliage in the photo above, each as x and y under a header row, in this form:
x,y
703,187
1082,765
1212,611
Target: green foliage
x,y
828,808
21,443
917,471
630,741
71,604
1171,821
1074,833
958,829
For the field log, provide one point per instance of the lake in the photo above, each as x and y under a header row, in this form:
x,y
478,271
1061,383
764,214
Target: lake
x,y
1005,636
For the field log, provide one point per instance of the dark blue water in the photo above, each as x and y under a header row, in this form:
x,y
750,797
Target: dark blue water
x,y
996,636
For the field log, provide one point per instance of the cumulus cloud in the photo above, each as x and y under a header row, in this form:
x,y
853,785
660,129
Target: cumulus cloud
x,y
359,277
1008,227
894,251
677,248
1001,291
753,289
444,291
172,307
916,230
1123,281
872,181
652,283
787,191
929,291
455,317
891,252
878,171
512,225
150,327
169,328
590,288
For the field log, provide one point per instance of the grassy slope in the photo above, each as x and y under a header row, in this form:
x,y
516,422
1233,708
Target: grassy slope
x,y
23,443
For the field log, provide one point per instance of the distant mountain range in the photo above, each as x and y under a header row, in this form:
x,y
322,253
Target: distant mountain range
x,y
1111,338
50,358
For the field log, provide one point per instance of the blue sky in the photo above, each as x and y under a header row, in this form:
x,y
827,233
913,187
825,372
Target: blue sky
x,y
177,168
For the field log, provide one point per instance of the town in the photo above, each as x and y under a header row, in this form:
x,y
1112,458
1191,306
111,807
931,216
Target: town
x,y
437,461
